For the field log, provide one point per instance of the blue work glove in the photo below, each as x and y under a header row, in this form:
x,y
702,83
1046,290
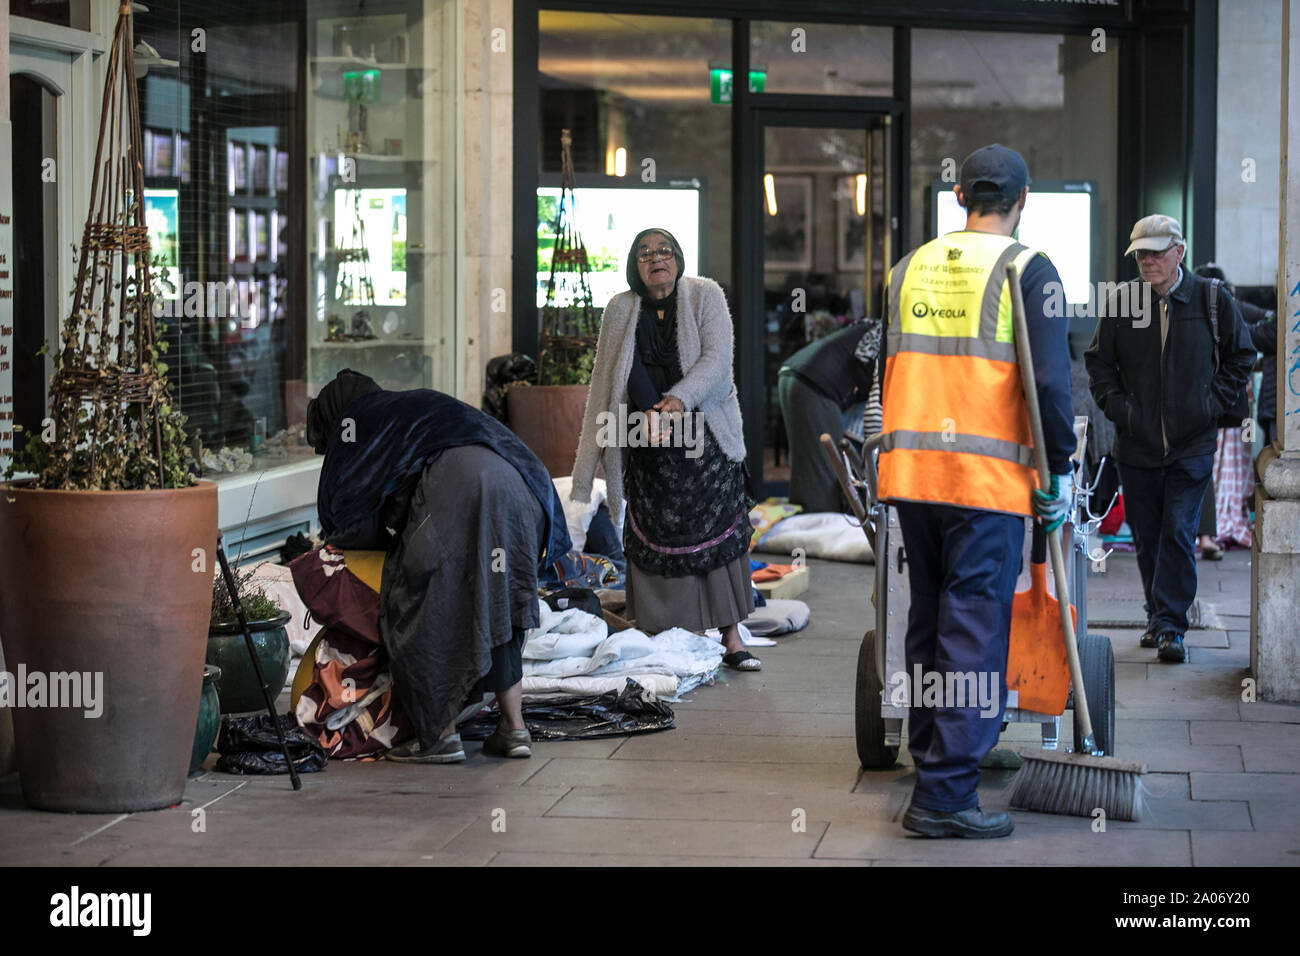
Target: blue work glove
x,y
1053,506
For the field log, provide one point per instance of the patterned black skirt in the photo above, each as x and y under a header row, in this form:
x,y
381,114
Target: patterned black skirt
x,y
685,515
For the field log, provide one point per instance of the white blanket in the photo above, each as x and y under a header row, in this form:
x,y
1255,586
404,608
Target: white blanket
x,y
663,686
820,534
566,645
578,514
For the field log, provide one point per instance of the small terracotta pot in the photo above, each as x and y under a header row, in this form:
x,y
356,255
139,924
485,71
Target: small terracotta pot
x,y
116,584
548,419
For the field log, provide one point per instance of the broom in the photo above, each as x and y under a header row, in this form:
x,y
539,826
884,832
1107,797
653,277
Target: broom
x,y
1076,784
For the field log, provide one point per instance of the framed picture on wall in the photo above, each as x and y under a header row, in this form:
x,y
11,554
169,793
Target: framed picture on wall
x,y
146,160
183,158
850,228
238,167
261,169
787,223
281,171
162,154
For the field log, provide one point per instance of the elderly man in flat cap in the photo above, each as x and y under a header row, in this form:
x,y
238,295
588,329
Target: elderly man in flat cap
x,y
1165,376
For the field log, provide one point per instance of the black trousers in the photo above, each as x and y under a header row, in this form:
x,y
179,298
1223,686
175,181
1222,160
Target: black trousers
x,y
1162,506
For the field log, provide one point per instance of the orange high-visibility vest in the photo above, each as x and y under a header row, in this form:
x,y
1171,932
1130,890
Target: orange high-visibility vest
x,y
956,428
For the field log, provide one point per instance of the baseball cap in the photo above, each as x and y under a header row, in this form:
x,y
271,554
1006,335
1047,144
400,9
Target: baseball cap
x,y
1154,233
993,172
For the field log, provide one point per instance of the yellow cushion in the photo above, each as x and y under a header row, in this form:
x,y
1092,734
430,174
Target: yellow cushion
x,y
366,565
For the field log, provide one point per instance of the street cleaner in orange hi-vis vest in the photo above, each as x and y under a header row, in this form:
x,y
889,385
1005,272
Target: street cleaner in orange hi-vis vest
x,y
957,462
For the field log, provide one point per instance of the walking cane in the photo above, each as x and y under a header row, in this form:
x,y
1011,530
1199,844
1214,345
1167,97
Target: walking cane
x,y
257,665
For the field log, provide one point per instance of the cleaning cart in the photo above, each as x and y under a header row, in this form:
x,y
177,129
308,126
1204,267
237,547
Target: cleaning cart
x,y
1035,669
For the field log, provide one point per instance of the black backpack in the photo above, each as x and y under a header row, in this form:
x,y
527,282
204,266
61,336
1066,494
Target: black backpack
x,y
1239,411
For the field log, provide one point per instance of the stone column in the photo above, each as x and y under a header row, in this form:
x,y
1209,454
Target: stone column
x,y
1275,570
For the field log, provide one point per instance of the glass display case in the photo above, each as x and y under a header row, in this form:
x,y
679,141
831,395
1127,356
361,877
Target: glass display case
x,y
379,211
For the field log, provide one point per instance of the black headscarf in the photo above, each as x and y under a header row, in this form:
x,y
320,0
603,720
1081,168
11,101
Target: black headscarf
x,y
634,274
326,410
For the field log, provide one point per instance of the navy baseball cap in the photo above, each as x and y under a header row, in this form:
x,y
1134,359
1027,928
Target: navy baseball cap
x,y
993,172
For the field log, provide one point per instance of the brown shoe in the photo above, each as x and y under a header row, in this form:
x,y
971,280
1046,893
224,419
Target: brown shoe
x,y
508,743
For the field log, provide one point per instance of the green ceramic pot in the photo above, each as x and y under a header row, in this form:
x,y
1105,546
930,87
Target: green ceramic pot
x,y
205,734
237,686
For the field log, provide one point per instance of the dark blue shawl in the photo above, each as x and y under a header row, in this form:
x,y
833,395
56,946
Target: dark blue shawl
x,y
394,437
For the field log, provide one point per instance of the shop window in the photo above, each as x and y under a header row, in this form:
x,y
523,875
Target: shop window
x,y
843,59
296,201
651,137
1051,97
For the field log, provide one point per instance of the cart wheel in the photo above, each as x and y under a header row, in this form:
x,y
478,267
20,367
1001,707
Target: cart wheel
x,y
1097,661
873,754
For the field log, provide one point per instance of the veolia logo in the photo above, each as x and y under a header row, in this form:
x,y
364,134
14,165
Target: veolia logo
x,y
921,309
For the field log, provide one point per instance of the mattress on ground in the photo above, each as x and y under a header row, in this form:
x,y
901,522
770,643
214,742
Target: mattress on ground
x,y
820,534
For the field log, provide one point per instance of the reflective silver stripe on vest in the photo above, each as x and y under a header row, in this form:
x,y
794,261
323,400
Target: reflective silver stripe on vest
x,y
969,444
951,345
993,292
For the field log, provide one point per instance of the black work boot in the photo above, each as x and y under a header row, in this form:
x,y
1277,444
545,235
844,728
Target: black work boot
x,y
974,824
1172,649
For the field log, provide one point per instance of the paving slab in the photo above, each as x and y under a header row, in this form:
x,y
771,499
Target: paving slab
x,y
640,859
1274,815
1245,786
711,838
1221,848
1032,844
739,748
650,776
1258,710
786,808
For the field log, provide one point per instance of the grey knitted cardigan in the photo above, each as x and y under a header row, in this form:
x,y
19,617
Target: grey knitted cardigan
x,y
704,346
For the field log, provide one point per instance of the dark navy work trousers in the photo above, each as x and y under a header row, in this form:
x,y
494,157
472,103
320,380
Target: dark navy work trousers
x,y
963,566
1162,507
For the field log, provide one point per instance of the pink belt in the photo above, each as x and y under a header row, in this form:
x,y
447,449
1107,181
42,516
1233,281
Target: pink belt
x,y
693,548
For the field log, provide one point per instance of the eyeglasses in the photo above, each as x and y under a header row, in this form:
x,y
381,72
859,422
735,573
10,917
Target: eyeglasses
x,y
650,255
1141,254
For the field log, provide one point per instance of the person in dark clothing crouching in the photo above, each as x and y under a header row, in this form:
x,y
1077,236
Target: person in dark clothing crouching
x,y
817,385
1164,381
466,515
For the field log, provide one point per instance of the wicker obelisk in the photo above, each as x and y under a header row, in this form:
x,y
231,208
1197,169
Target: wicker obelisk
x,y
106,393
569,323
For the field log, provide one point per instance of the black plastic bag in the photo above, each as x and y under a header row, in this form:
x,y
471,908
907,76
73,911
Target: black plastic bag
x,y
632,710
249,745
502,372
584,599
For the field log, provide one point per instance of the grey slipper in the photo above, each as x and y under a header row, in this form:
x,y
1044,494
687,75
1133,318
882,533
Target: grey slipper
x,y
447,750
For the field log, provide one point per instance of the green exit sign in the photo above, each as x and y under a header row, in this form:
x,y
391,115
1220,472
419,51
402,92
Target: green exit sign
x,y
720,84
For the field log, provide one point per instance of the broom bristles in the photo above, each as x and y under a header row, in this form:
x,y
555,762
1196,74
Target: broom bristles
x,y
1078,785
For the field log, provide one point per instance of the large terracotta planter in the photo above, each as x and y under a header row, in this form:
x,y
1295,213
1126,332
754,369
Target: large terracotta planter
x,y
548,419
117,583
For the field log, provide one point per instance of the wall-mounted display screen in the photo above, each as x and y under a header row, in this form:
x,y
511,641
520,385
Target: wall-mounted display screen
x,y
161,218
376,217
1058,219
608,219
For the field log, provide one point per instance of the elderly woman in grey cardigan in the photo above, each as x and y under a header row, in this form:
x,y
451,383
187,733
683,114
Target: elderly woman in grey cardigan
x,y
665,352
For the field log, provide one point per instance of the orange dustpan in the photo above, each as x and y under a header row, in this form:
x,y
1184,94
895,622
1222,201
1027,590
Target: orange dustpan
x,y
1036,663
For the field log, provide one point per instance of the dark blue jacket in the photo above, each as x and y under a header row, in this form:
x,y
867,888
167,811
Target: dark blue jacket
x,y
395,436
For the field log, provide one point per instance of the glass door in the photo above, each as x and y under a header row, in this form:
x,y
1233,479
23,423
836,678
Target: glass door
x,y
826,236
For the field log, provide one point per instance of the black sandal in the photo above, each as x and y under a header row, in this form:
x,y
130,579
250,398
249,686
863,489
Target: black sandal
x,y
742,661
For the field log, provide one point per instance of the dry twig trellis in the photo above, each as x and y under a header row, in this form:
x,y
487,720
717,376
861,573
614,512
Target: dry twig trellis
x,y
114,424
569,328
